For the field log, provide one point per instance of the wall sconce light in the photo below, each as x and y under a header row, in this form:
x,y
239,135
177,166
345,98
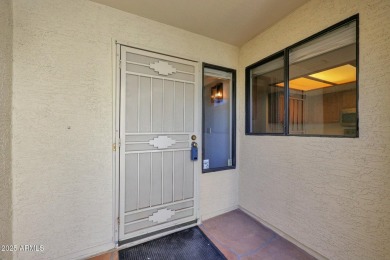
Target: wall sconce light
x,y
217,93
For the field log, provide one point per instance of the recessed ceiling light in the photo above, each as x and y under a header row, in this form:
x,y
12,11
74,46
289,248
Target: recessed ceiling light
x,y
339,75
305,84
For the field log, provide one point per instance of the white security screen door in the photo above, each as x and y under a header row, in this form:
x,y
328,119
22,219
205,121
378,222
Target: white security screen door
x,y
158,116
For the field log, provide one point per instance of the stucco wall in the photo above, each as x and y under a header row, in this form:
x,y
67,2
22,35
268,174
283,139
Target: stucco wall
x,y
62,167
330,194
5,124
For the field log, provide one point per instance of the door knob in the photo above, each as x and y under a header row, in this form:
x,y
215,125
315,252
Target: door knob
x,y
193,137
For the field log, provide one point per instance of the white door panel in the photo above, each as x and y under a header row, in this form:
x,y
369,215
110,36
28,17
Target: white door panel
x,y
158,116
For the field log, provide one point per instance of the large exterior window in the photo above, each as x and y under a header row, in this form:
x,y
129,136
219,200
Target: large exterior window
x,y
219,130
309,89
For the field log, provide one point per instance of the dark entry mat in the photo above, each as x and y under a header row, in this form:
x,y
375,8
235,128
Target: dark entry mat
x,y
189,244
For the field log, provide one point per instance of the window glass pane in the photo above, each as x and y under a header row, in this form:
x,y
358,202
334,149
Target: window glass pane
x,y
267,97
322,84
218,128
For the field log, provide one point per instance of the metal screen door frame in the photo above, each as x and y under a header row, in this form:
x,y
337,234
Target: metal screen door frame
x,y
120,143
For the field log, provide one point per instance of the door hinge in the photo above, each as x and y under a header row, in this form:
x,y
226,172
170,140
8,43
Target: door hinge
x,y
114,145
120,64
119,221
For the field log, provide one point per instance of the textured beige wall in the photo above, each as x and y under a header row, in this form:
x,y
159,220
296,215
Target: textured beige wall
x,y
63,190
218,192
5,124
330,194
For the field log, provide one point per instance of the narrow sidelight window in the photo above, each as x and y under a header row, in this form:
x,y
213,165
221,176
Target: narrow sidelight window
x,y
219,129
309,88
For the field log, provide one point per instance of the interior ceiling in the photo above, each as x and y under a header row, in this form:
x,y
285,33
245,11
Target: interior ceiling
x,y
231,21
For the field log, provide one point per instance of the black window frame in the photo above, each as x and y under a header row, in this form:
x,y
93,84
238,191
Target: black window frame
x,y
285,54
233,72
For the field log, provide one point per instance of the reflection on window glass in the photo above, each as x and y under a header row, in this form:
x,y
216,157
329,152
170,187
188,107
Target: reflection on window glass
x,y
267,97
218,125
321,96
322,84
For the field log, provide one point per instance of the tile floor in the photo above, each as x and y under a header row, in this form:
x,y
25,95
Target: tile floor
x,y
240,237
107,256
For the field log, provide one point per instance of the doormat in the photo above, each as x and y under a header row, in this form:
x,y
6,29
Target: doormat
x,y
189,244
